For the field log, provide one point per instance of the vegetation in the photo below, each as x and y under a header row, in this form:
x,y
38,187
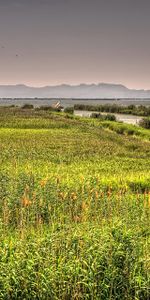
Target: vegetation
x,y
107,117
49,108
26,106
75,208
145,123
69,110
140,110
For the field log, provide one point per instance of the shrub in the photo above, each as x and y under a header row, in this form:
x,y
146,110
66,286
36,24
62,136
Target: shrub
x,y
49,108
107,117
130,131
120,130
145,123
28,106
110,117
69,110
96,116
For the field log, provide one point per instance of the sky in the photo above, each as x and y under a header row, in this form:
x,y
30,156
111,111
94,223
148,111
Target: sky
x,y
50,42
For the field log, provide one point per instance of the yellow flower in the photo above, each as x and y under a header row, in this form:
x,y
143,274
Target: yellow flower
x,y
61,195
26,201
73,196
43,182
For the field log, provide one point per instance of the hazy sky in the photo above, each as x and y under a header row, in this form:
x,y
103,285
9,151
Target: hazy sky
x,y
46,42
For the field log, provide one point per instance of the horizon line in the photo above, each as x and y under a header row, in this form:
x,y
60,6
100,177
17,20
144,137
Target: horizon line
x,y
73,85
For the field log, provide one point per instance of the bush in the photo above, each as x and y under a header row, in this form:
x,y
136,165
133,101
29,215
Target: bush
x,y
96,116
145,123
120,130
49,108
28,106
109,117
69,110
130,131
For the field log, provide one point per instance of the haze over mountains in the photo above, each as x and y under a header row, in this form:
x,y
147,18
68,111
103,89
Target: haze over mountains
x,y
101,90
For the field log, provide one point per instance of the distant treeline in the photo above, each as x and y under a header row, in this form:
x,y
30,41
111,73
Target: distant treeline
x,y
140,110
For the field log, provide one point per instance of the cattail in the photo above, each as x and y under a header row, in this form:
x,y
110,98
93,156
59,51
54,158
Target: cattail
x,y
96,194
84,206
109,193
25,201
73,196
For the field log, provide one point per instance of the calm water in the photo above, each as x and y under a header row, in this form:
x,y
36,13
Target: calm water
x,y
129,119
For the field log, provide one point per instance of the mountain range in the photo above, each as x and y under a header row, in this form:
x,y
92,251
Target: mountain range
x,y
100,90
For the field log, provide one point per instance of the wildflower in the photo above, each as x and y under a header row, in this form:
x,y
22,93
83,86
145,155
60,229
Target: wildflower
x,y
61,195
25,201
43,182
73,196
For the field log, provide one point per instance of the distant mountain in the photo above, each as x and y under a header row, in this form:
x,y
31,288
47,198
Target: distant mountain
x,y
100,90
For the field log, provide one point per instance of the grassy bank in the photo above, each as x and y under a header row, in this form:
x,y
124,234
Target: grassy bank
x,y
75,208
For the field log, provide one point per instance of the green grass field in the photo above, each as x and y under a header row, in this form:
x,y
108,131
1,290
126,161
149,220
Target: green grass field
x,y
75,208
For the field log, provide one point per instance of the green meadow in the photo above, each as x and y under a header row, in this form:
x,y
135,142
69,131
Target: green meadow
x,y
74,208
